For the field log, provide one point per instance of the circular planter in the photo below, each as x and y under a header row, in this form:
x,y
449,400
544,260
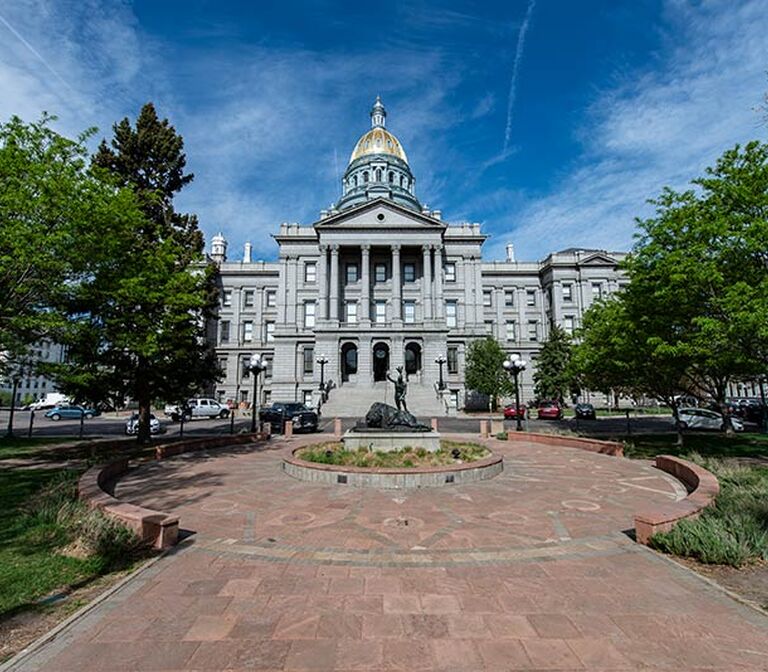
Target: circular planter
x,y
416,477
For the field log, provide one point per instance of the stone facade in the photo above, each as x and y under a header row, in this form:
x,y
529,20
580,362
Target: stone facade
x,y
380,281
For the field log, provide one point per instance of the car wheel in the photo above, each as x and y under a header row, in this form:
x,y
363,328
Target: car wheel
x,y
56,417
682,425
224,414
88,416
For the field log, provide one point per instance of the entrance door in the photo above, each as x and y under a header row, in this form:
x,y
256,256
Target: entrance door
x,y
380,361
412,358
348,361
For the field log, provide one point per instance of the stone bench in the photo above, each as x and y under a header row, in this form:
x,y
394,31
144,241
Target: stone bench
x,y
702,488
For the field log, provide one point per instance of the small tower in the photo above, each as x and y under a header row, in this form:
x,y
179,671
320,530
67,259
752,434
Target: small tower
x,y
378,114
247,253
219,248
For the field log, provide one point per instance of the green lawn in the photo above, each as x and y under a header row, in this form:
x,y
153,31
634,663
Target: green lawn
x,y
712,444
18,446
39,516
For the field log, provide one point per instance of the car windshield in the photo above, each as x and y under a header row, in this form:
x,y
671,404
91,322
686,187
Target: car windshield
x,y
293,408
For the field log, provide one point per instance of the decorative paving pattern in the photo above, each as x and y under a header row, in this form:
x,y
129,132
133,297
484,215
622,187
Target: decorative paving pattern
x,y
528,571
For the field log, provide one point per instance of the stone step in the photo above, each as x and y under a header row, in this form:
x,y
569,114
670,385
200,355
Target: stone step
x,y
355,400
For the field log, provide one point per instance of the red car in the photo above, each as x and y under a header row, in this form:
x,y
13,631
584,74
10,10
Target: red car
x,y
550,410
510,412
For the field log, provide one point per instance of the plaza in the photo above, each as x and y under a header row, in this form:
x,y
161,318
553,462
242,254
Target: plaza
x,y
531,570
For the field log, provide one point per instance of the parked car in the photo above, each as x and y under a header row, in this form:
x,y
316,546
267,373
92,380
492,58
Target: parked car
x,y
49,400
303,418
132,424
747,408
550,410
196,408
511,412
584,411
702,418
68,412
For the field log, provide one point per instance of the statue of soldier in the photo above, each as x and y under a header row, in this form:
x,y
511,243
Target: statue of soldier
x,y
401,387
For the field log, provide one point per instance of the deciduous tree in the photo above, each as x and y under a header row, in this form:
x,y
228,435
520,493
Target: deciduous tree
x,y
485,370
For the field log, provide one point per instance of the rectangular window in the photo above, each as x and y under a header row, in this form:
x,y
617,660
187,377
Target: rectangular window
x,y
489,327
247,331
351,312
487,298
269,330
244,396
530,297
380,314
223,365
309,314
509,299
450,313
453,359
245,371
351,273
226,298
380,272
409,312
248,298
597,291
568,293
511,331
310,272
533,331
450,271
271,298
409,272
224,332
309,361
267,397
308,398
568,324
267,367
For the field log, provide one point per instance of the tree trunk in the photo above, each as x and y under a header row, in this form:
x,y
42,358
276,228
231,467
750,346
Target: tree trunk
x,y
678,428
143,396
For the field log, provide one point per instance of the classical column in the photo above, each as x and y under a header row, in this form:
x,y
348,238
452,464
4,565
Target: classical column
x,y
397,276
468,277
291,286
426,283
334,291
365,277
439,300
322,284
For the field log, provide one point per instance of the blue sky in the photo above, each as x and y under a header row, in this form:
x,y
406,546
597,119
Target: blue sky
x,y
549,122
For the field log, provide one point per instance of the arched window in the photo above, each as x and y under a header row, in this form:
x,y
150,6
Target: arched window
x,y
354,181
365,176
402,180
378,174
391,177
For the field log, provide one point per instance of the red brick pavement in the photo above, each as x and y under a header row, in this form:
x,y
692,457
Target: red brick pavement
x,y
529,571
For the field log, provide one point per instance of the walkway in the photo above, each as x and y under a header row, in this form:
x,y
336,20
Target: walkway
x,y
529,571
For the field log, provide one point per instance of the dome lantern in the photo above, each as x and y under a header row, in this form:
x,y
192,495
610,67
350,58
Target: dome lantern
x,y
378,114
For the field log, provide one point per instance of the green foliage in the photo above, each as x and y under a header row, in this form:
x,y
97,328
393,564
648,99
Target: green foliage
x,y
732,532
52,209
553,378
485,372
136,323
334,453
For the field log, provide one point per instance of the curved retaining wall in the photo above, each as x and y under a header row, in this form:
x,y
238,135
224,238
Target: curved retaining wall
x,y
426,477
156,528
702,488
593,445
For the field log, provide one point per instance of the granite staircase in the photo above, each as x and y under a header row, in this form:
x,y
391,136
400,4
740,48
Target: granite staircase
x,y
352,400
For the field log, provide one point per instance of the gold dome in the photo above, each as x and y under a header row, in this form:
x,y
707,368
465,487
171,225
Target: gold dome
x,y
378,141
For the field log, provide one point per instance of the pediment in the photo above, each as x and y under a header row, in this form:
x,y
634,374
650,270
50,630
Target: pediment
x,y
379,215
598,259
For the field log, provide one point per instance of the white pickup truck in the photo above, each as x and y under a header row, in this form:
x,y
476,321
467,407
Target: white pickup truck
x,y
196,408
50,400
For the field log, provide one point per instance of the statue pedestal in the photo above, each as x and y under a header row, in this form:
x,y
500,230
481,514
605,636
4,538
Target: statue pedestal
x,y
385,441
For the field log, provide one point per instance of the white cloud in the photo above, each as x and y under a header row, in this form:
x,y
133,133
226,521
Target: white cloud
x,y
655,128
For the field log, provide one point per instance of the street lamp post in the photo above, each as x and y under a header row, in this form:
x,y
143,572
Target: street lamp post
x,y
256,366
322,360
440,360
514,366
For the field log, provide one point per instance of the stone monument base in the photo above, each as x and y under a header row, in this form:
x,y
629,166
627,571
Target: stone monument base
x,y
386,441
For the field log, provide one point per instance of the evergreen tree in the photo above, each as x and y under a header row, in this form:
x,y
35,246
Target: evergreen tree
x,y
137,323
485,370
553,378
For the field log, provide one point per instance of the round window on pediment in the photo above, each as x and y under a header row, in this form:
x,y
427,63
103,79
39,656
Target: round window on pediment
x,y
380,216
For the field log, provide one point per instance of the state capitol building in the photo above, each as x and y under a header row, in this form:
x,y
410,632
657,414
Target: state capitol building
x,y
380,281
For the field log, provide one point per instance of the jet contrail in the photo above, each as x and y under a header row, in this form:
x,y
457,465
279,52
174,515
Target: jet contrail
x,y
515,70
35,52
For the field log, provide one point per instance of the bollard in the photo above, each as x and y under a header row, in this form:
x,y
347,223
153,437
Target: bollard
x,y
497,427
288,429
232,421
484,429
434,424
337,427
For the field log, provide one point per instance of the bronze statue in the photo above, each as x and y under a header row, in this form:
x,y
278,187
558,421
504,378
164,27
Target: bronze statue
x,y
401,388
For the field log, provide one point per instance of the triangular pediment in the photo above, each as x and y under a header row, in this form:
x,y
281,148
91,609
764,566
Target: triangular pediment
x,y
598,259
379,214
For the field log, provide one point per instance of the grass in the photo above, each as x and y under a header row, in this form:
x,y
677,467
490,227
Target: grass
x,y
49,541
717,445
732,532
408,458
18,446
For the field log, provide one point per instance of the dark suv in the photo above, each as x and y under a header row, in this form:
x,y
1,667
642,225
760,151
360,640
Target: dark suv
x,y
303,418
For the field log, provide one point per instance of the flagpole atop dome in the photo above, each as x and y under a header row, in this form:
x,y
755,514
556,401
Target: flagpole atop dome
x,y
378,114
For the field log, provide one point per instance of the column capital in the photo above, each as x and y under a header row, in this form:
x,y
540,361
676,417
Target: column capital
x,y
334,248
365,248
396,247
323,248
